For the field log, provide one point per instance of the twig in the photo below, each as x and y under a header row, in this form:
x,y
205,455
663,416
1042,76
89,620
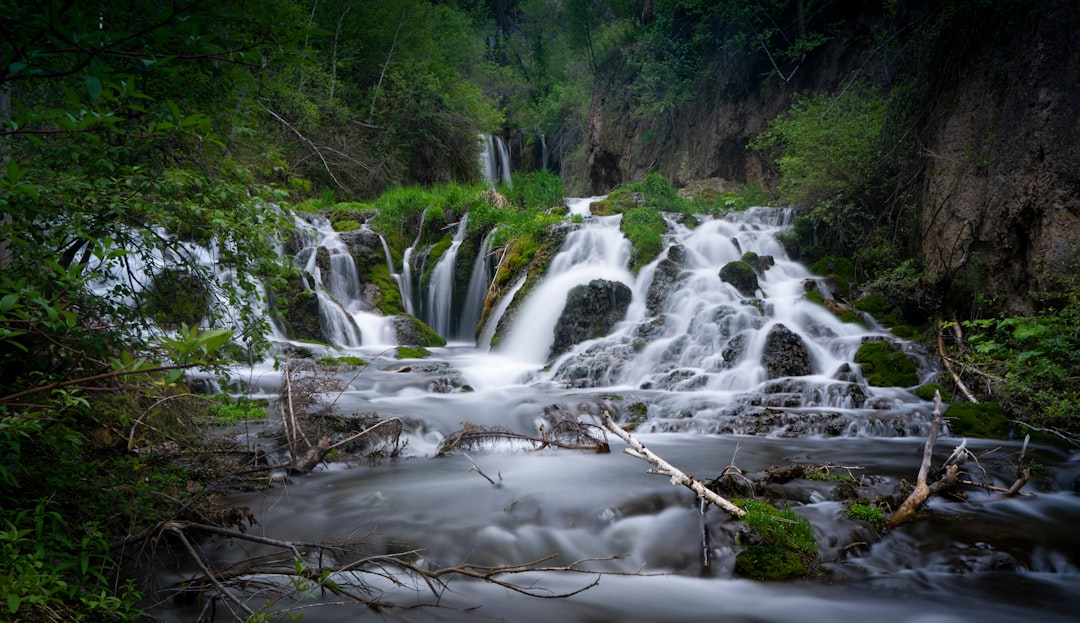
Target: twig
x,y
476,468
952,371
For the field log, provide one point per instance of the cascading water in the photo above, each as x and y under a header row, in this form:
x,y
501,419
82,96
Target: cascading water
x,y
693,362
479,282
344,318
494,160
439,304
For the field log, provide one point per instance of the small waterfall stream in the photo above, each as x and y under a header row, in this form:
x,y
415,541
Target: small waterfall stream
x,y
438,311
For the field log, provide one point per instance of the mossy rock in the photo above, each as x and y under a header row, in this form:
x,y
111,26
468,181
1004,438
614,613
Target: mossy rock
x,y
926,392
839,269
885,365
388,301
769,563
346,226
412,352
985,420
741,275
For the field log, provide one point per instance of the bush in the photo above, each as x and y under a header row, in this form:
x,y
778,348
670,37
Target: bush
x,y
645,228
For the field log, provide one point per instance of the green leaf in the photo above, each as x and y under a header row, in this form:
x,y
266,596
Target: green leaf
x,y
8,302
93,87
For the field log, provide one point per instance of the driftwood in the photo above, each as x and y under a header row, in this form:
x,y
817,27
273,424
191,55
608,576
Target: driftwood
x,y
923,490
638,450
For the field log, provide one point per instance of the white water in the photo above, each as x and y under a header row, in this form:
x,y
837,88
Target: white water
x,y
438,313
479,284
595,252
979,560
494,160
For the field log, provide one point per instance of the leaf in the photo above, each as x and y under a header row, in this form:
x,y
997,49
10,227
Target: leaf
x,y
93,87
8,302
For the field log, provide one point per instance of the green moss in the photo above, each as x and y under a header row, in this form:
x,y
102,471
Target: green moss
x,y
636,413
741,275
815,297
885,365
985,419
926,392
346,360
839,269
238,410
389,303
866,512
645,228
346,226
412,352
769,563
849,316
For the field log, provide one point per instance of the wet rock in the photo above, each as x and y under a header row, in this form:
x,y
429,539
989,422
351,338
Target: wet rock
x,y
785,354
664,279
600,365
741,275
590,312
760,263
411,331
296,310
651,329
733,351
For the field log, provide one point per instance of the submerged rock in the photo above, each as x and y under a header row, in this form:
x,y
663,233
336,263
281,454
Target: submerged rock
x,y
591,311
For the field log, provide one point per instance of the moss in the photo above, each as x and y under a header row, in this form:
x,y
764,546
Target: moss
x,y
926,392
645,228
849,316
412,352
637,413
885,365
866,512
741,275
839,269
750,258
815,297
346,226
769,563
345,360
389,302
985,419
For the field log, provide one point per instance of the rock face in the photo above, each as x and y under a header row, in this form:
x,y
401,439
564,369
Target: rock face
x,y
591,311
785,354
997,191
664,279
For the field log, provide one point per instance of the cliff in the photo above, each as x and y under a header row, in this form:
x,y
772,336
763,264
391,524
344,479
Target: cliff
x,y
993,170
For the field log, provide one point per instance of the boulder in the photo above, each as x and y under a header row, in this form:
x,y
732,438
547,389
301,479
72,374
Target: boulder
x,y
785,354
590,312
741,275
664,279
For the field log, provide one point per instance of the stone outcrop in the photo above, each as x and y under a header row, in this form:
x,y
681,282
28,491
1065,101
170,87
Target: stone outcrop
x,y
590,312
740,275
785,354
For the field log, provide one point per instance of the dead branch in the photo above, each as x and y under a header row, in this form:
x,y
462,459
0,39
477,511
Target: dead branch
x,y
923,490
952,371
638,450
565,434
315,563
476,468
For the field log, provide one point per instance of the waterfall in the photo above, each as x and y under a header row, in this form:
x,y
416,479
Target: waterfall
x,y
479,283
344,317
440,300
598,251
543,153
494,160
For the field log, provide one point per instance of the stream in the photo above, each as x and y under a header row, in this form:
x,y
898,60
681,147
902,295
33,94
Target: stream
x,y
689,353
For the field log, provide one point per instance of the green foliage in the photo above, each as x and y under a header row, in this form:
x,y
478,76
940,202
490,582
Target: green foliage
x,y
869,513
644,227
345,226
49,572
1033,359
826,144
536,191
344,360
769,563
885,365
228,409
985,419
838,269
926,392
